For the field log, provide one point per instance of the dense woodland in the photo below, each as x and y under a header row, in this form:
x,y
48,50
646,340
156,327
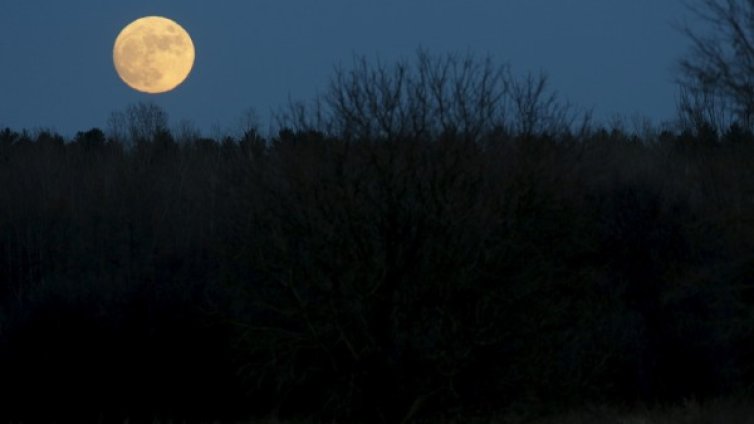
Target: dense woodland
x,y
429,239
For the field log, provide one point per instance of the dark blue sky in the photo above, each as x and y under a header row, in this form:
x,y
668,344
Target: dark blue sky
x,y
56,66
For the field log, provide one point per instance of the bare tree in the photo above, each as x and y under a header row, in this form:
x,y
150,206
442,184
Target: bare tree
x,y
718,72
536,109
437,95
700,108
139,122
186,132
457,95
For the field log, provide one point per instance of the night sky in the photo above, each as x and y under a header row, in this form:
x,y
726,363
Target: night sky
x,y
56,69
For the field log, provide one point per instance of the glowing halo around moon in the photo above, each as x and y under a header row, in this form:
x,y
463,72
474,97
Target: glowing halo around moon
x,y
153,54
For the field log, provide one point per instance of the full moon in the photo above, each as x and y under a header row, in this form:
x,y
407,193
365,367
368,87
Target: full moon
x,y
153,54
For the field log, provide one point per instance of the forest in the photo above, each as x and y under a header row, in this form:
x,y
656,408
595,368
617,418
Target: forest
x,y
430,239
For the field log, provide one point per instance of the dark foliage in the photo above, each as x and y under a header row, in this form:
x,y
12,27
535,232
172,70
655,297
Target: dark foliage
x,y
313,275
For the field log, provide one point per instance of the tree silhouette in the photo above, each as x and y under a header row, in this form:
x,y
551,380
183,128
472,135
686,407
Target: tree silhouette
x,y
140,122
717,76
455,95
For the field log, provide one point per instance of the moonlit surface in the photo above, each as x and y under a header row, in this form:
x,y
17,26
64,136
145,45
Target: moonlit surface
x,y
153,54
